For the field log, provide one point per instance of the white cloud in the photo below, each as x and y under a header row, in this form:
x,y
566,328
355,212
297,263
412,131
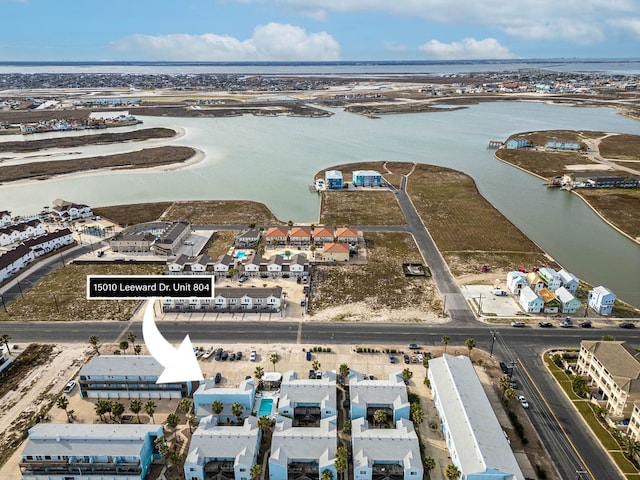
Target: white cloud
x,y
394,47
467,49
630,26
580,22
273,41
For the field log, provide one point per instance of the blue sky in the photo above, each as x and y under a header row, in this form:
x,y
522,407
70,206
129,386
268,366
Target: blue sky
x,y
317,30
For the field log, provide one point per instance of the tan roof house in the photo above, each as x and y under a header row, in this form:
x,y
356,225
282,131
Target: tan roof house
x,y
346,234
300,236
337,252
323,235
277,235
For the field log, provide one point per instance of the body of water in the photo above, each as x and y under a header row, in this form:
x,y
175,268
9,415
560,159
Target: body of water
x,y
273,160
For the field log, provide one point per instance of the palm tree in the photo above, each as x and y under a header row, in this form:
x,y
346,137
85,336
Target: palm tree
x,y
258,372
135,406
407,374
63,402
137,349
417,414
470,343
117,351
452,472
102,407
509,394
131,336
175,458
192,420
315,365
341,460
150,409
429,463
344,372
274,358
504,383
630,447
217,406
256,472
264,423
4,340
124,345
162,447
117,409
379,416
445,341
172,421
326,475
185,405
237,409
313,250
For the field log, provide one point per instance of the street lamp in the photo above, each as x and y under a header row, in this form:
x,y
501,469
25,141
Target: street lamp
x,y
493,339
579,474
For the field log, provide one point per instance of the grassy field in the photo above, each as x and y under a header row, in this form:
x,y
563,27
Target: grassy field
x,y
393,169
354,208
145,158
220,242
221,212
619,206
61,296
621,146
546,164
133,214
101,139
381,283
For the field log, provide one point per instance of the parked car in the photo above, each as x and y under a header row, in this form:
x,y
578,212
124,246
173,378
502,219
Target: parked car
x,y
243,278
407,359
567,323
545,324
238,355
523,401
413,346
319,374
514,384
506,370
224,356
371,377
498,292
312,373
209,352
218,354
627,325
218,377
586,324
392,359
253,356
69,386
232,356
518,324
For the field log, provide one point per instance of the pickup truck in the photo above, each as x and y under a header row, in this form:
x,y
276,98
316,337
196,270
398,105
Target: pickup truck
x,y
567,323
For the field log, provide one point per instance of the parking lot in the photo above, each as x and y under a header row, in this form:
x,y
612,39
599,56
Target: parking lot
x,y
482,298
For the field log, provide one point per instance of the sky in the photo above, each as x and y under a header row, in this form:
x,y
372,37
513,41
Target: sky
x,y
317,30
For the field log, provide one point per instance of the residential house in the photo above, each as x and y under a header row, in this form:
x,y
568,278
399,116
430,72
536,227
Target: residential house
x,y
322,235
347,235
180,264
69,210
202,265
87,451
14,260
134,242
563,146
333,179
367,396
550,277
474,436
18,232
530,301
127,376
366,178
385,452
208,392
274,266
551,302
171,239
517,142
248,239
253,265
634,422
569,281
300,237
535,282
223,264
516,281
569,303
601,300
230,299
225,449
299,265
306,451
613,371
5,218
50,241
613,182
307,397
337,252
277,236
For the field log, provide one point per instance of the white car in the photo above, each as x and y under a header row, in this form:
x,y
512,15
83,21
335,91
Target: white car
x,y
523,401
253,356
69,386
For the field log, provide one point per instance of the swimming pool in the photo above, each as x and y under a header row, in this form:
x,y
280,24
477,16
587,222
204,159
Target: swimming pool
x,y
241,254
266,407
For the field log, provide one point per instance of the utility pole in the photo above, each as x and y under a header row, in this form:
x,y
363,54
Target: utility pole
x,y
513,364
579,474
4,305
493,339
480,305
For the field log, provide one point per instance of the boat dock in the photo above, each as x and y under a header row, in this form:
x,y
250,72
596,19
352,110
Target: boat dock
x,y
495,144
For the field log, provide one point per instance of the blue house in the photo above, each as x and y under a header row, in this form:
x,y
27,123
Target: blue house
x,y
333,179
601,299
207,393
75,450
366,178
390,395
518,142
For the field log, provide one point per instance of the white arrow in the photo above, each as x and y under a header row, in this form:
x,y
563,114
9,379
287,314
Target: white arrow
x,y
181,364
